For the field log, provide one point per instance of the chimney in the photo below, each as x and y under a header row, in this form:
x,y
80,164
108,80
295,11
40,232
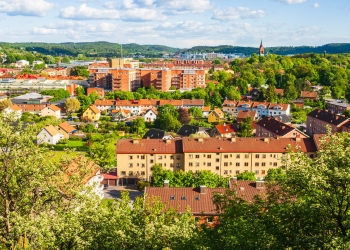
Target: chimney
x,y
135,141
266,140
233,139
202,189
234,178
167,141
166,183
259,184
283,127
297,138
200,140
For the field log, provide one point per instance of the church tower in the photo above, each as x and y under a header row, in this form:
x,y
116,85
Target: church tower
x,y
261,49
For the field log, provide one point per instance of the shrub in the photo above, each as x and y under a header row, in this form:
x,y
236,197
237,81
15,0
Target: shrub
x,y
142,184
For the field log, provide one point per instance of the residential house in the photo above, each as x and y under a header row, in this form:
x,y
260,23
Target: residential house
x,y
188,130
99,91
279,92
318,119
283,118
92,113
224,130
278,109
271,127
216,116
311,95
146,104
110,179
108,105
154,133
133,106
206,111
13,111
50,135
338,107
243,114
150,115
66,129
176,103
21,63
51,110
223,156
120,115
230,107
189,103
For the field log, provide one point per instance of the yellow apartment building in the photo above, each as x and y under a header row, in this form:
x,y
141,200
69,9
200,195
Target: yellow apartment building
x,y
224,156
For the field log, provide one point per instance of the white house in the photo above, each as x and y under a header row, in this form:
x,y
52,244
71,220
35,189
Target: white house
x,y
206,111
108,105
37,62
14,111
49,135
22,63
150,115
51,110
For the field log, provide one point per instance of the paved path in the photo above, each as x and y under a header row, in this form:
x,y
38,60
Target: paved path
x,y
113,192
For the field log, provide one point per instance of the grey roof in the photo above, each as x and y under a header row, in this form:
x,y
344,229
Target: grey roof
x,y
154,133
187,130
340,103
283,118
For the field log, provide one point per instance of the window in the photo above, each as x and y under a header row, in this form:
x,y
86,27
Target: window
x,y
142,157
217,168
172,197
160,157
311,156
142,172
151,161
197,156
130,165
226,164
142,165
237,164
178,157
237,171
209,164
263,164
171,157
171,165
183,198
225,156
208,156
190,164
130,173
204,155
217,153
257,156
238,156
225,171
263,155
256,171
197,164
196,198
123,173
246,164
246,156
217,160
262,171
138,164
275,164
256,164
270,163
275,156
178,165
190,156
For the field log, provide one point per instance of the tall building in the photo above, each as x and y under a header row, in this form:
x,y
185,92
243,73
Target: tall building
x,y
261,49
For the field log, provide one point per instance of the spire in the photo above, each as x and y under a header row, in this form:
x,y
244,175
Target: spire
x,y
261,45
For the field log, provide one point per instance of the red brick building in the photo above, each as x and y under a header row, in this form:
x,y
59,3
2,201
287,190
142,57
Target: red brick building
x,y
317,121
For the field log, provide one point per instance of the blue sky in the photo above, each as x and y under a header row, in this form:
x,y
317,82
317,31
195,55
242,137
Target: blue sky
x,y
177,23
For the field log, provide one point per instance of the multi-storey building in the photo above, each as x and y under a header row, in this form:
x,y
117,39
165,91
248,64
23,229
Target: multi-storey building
x,y
224,156
317,121
272,127
338,107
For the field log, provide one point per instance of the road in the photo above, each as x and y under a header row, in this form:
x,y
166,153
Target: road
x,y
114,192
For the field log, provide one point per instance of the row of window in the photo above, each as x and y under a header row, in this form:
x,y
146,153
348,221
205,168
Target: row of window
x,y
160,157
238,156
238,164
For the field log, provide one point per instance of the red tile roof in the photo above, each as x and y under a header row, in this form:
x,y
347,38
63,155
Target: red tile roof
x,y
308,94
105,102
206,109
193,102
66,127
177,103
279,92
328,117
15,108
242,114
94,109
149,146
54,108
225,128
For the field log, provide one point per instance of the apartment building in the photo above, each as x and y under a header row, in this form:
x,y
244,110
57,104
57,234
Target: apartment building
x,y
317,121
224,156
338,107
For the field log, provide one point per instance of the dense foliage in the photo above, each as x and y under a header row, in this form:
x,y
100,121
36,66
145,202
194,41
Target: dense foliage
x,y
58,94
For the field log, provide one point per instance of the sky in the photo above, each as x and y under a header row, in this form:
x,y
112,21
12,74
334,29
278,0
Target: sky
x,y
177,23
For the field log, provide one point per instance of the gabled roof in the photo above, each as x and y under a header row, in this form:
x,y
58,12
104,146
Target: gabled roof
x,y
51,130
281,105
66,127
230,103
54,108
154,133
283,118
172,102
218,112
275,126
15,108
328,117
105,102
279,92
154,110
187,130
247,190
206,109
225,128
192,102
149,146
308,94
242,114
94,109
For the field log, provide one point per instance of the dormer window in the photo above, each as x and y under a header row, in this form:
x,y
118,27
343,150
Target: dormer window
x,y
172,197
196,198
183,197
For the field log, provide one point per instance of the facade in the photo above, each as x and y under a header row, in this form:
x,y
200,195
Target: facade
x,y
150,115
66,129
311,95
13,111
120,115
189,103
92,113
224,156
271,127
225,130
133,106
317,121
99,91
206,111
216,116
243,114
338,107
49,135
51,110
108,105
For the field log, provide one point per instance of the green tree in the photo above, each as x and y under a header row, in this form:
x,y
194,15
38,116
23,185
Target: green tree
x,y
184,116
195,112
246,176
138,125
275,174
246,127
103,153
72,105
5,104
80,71
167,118
270,94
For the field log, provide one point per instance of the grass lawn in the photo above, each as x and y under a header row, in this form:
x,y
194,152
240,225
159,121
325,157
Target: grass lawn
x,y
56,156
75,143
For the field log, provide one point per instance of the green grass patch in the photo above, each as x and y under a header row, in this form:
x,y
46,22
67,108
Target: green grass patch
x,y
75,143
56,156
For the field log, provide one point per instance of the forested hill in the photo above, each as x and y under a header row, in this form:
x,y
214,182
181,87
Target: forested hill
x,y
331,48
106,49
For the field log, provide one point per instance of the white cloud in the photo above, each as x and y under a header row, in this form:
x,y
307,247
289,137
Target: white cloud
x,y
45,31
180,6
291,1
237,13
83,12
107,27
25,7
129,4
316,5
142,14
